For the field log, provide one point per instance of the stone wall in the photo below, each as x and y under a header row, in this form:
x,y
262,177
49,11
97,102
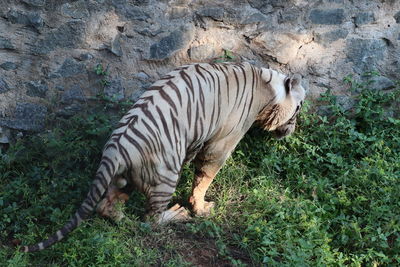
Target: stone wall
x,y
49,49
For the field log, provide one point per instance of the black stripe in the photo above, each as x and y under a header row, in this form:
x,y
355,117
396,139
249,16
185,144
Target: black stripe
x,y
202,100
175,88
152,133
237,85
154,88
186,78
168,99
110,162
197,68
102,180
252,91
165,126
134,143
195,136
167,77
140,135
244,85
108,169
209,73
219,99
227,83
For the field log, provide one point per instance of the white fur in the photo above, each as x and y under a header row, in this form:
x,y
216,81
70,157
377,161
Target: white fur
x,y
278,86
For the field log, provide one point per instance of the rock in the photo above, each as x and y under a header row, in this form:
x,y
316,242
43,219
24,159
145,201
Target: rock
x,y
135,13
8,66
179,12
331,36
289,15
69,68
5,43
235,16
116,46
254,18
380,83
35,3
201,52
282,46
216,13
76,10
397,17
27,117
327,16
85,56
130,11
142,76
115,90
267,7
149,32
67,35
345,102
4,134
70,110
4,86
37,88
365,53
136,94
134,2
364,18
170,44
75,94
32,19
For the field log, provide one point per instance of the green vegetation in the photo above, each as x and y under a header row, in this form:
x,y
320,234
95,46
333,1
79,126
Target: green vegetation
x,y
228,56
327,196
100,71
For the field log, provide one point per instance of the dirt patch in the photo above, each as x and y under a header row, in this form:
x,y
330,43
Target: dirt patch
x,y
195,249
203,251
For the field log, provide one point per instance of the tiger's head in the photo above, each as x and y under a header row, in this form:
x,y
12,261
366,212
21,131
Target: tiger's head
x,y
279,116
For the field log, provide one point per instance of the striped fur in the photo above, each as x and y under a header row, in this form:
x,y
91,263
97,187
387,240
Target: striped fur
x,y
198,112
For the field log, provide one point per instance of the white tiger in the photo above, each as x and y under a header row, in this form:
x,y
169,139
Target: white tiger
x,y
199,112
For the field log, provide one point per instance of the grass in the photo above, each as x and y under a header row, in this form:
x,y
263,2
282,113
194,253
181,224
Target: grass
x,y
326,196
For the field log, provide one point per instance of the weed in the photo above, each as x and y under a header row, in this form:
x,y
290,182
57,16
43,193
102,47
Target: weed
x,y
101,71
226,57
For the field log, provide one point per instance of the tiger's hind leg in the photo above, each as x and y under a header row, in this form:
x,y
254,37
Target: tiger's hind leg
x,y
115,196
158,199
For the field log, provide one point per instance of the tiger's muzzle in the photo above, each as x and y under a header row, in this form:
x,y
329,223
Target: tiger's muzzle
x,y
289,127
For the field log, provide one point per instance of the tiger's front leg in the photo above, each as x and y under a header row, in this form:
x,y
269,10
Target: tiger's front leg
x,y
207,163
202,180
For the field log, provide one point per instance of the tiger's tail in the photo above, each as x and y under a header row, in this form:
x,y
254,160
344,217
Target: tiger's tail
x,y
106,171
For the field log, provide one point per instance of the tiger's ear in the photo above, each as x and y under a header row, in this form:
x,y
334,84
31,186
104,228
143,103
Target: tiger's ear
x,y
291,82
295,80
266,75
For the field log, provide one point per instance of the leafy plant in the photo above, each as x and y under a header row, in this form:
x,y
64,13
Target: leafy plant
x,y
101,71
227,56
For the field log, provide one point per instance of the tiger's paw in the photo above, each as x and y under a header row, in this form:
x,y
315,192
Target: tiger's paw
x,y
174,214
204,211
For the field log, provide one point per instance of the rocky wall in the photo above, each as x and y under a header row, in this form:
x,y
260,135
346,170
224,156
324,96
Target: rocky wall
x,y
50,50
